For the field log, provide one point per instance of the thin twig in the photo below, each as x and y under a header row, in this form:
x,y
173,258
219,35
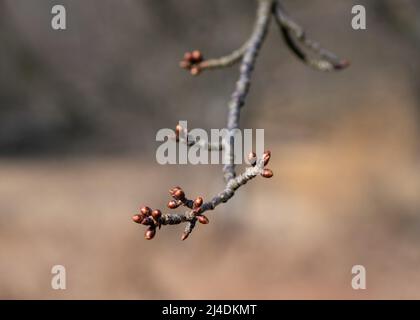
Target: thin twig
x,y
327,61
184,137
242,85
225,61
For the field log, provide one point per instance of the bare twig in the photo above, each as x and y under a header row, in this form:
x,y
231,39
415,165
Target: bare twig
x,y
183,136
327,61
242,85
195,62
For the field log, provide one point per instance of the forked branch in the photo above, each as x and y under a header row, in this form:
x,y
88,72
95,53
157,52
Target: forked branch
x,y
247,54
325,61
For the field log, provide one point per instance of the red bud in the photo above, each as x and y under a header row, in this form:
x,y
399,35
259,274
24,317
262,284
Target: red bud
x,y
188,56
198,202
150,233
197,56
267,173
156,214
173,190
203,219
185,64
178,130
266,157
178,194
195,71
138,218
172,204
146,211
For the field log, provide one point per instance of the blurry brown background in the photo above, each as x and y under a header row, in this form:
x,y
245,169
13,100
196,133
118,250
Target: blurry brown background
x,y
79,110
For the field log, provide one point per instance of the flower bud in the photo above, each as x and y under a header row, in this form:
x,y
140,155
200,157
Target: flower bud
x,y
150,233
198,202
173,204
267,173
178,194
343,64
203,219
197,56
178,130
184,236
146,211
188,56
195,70
252,158
266,157
138,218
172,191
185,64
156,214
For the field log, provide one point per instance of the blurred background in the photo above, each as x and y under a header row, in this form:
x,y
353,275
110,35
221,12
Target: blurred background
x,y
79,111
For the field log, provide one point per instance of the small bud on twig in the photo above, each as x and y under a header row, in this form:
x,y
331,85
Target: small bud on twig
x,y
156,214
178,130
178,194
197,56
184,236
138,218
195,71
188,56
171,191
150,233
193,62
185,64
267,173
146,211
252,158
198,202
266,157
203,219
173,204
343,64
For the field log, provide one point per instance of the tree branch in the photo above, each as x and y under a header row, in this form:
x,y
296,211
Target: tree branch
x,y
242,85
194,62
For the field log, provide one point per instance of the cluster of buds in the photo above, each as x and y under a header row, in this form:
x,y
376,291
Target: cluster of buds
x,y
151,219
197,210
192,62
179,198
252,158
